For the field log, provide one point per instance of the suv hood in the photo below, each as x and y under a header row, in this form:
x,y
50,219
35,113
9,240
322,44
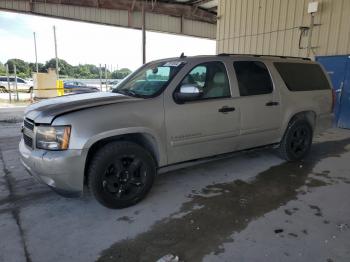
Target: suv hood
x,y
44,112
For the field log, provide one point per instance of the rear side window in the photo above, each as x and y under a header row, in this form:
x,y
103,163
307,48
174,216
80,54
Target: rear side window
x,y
253,78
302,77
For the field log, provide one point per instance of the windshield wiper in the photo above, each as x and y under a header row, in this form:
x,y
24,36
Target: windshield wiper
x,y
126,92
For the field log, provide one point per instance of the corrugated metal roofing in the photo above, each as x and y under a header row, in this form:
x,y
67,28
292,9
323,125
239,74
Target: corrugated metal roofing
x,y
185,17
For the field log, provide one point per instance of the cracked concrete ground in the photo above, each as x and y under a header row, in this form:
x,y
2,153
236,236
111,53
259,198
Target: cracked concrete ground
x,y
248,207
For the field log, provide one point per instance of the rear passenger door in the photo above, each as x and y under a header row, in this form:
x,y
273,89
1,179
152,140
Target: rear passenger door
x,y
259,104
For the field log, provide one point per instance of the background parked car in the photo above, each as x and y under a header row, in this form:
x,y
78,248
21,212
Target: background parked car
x,y
22,85
77,87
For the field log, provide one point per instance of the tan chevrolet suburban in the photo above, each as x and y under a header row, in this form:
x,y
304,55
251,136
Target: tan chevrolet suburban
x,y
173,111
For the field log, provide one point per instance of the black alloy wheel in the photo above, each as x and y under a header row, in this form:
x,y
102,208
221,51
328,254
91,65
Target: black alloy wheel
x,y
297,140
121,173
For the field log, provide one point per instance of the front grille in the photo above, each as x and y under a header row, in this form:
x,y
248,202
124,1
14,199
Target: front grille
x,y
28,124
28,140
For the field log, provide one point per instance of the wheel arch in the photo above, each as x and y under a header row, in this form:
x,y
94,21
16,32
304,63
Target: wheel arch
x,y
145,140
308,115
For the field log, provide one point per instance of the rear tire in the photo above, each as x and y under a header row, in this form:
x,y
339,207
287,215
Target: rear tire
x,y
121,174
297,140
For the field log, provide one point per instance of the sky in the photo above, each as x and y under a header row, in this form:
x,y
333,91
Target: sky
x,y
80,43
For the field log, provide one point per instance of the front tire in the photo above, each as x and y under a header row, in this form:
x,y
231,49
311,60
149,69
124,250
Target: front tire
x,y
121,174
297,140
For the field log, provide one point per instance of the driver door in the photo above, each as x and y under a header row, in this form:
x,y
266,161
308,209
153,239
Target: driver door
x,y
205,125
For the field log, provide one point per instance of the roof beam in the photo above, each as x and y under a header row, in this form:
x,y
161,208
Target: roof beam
x,y
179,20
201,2
171,9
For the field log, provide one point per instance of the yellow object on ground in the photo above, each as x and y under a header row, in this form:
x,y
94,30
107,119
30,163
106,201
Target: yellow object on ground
x,y
60,87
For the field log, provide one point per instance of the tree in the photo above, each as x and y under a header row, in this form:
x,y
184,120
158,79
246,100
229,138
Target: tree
x,y
86,71
120,74
64,68
25,69
22,67
41,67
2,69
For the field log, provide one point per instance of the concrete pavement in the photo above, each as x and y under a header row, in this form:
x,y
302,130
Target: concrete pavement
x,y
248,207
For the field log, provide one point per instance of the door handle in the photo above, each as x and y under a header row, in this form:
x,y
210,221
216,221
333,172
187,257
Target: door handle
x,y
226,109
271,103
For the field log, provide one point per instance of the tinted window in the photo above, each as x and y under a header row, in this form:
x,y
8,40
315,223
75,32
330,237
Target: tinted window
x,y
302,77
3,79
20,80
211,78
253,78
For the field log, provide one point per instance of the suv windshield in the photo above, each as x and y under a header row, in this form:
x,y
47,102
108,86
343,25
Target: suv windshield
x,y
149,80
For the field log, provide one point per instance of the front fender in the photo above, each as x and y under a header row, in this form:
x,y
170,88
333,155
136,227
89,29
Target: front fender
x,y
127,131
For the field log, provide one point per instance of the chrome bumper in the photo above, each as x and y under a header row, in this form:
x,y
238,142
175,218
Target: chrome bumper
x,y
63,171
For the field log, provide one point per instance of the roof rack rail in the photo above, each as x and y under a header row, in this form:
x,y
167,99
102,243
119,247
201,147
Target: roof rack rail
x,y
257,55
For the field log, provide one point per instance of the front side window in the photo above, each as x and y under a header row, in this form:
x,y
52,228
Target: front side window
x,y
210,79
149,80
253,78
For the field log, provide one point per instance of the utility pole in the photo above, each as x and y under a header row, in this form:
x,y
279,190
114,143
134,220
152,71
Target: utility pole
x,y
143,33
57,68
15,71
100,71
8,82
36,54
106,76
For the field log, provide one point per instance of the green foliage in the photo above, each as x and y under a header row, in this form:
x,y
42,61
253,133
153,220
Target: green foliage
x,y
87,71
64,68
41,68
120,74
2,69
21,66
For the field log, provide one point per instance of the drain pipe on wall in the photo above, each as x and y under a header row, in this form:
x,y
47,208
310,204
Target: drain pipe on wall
x,y
143,33
312,9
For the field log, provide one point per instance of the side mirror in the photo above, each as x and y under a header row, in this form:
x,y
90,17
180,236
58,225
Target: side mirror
x,y
188,92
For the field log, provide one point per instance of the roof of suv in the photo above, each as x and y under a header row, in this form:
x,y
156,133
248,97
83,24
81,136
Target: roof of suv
x,y
265,57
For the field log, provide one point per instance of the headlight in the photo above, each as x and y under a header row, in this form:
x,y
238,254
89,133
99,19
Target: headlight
x,y
53,137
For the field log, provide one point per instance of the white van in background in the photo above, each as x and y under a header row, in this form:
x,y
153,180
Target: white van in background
x,y
22,85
